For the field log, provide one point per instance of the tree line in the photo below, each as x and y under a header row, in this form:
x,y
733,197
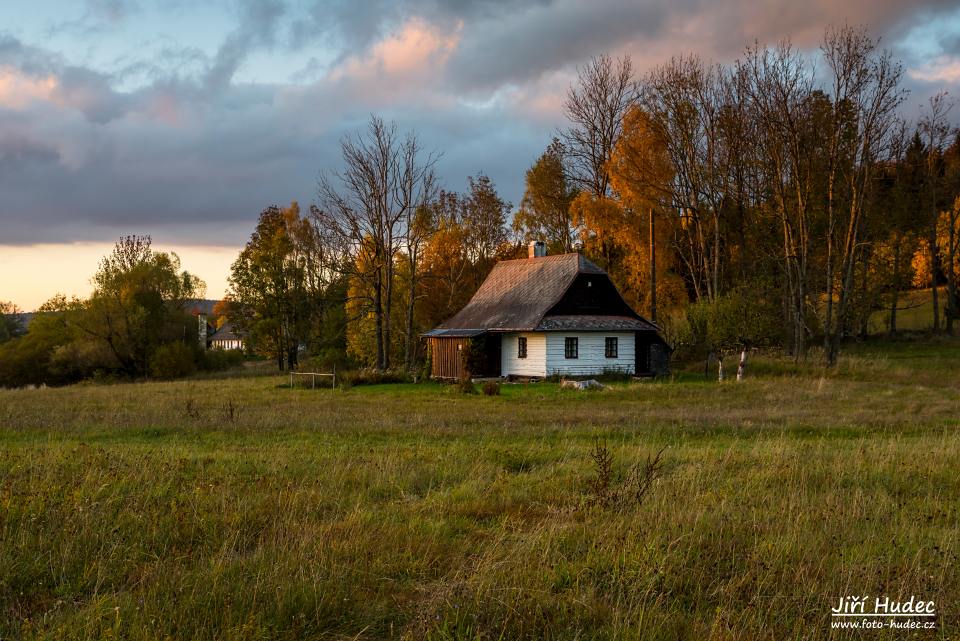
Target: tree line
x,y
384,255
138,322
750,204
780,200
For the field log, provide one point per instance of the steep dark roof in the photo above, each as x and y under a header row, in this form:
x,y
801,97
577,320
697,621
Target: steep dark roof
x,y
518,294
226,333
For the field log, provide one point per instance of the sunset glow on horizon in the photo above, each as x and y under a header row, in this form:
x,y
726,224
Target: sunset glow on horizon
x,y
33,274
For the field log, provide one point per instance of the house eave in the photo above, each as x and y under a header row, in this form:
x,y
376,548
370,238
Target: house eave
x,y
441,332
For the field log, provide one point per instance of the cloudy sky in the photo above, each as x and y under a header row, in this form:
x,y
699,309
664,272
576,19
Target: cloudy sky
x,y
184,118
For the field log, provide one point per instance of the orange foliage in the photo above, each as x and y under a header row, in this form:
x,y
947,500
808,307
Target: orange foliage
x,y
922,268
616,233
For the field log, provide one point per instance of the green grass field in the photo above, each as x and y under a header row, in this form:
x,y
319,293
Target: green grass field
x,y
914,312
240,509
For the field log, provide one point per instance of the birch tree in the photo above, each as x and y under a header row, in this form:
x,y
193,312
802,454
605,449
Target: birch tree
x,y
866,93
368,206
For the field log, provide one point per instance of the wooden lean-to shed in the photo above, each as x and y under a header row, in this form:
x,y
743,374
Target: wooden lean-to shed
x,y
545,315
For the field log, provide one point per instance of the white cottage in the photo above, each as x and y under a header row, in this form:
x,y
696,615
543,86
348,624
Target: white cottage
x,y
546,315
226,338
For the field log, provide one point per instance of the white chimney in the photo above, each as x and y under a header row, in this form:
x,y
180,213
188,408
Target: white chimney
x,y
536,249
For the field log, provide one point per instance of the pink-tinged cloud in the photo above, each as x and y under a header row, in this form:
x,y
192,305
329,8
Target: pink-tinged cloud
x,y
416,49
944,69
180,145
165,107
18,90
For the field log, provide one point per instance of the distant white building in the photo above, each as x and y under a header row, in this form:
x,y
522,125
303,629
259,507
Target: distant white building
x,y
202,309
546,315
226,338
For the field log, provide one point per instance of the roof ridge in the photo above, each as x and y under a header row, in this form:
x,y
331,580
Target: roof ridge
x,y
547,257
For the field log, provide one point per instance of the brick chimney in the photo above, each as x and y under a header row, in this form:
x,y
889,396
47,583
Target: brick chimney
x,y
536,249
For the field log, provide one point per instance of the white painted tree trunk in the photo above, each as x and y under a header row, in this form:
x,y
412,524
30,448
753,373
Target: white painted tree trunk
x,y
720,368
742,368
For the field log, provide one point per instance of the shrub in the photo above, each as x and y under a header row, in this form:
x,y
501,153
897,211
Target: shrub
x,y
215,360
472,356
748,316
172,360
372,377
426,368
325,361
491,388
628,493
465,385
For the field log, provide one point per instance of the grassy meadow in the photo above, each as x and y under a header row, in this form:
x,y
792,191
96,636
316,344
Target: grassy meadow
x,y
914,312
236,508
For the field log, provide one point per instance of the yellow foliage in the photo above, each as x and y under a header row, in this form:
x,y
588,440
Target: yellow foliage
x,y
640,167
619,239
922,267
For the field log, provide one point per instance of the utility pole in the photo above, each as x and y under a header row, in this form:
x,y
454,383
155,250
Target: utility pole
x,y
653,272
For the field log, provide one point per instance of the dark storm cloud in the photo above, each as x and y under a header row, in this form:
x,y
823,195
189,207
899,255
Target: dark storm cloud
x,y
195,153
543,38
18,153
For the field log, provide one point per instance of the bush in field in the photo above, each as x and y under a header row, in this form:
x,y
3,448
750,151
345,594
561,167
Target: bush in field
x,y
372,377
605,493
465,385
491,388
325,361
215,360
172,361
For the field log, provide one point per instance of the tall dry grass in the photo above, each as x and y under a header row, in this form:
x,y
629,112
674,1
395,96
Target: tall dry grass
x,y
236,509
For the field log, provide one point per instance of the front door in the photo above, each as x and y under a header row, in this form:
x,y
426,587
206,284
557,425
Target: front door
x,y
493,348
642,355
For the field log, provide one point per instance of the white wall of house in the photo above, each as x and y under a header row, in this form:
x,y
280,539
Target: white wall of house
x,y
546,354
591,359
535,362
